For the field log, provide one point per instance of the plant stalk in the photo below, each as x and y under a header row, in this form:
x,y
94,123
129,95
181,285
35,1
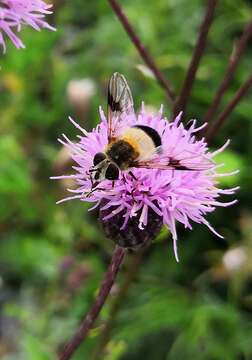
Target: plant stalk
x,y
89,319
130,275
142,50
198,51
234,60
241,92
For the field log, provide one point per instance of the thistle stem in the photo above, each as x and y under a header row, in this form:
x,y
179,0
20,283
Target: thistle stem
x,y
130,275
89,319
142,50
241,92
232,65
198,51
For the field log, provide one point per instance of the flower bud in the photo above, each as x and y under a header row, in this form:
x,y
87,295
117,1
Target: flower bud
x,y
131,236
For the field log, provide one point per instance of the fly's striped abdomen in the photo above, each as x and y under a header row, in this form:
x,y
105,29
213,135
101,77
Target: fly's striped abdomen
x,y
143,139
152,133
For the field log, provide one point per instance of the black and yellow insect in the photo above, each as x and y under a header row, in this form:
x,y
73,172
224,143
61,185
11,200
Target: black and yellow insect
x,y
137,145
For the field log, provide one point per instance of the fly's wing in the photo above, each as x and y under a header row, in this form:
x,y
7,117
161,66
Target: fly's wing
x,y
119,101
192,162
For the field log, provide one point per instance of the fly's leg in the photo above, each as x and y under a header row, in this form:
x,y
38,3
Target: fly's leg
x,y
93,184
92,191
132,175
124,178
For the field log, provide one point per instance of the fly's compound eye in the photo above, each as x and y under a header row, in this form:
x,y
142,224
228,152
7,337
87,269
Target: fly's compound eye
x,y
112,172
99,157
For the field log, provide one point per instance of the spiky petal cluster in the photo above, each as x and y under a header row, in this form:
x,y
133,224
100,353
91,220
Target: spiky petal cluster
x,y
16,13
174,195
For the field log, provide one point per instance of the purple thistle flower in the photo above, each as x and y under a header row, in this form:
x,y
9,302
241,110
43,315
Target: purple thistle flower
x,y
152,195
16,13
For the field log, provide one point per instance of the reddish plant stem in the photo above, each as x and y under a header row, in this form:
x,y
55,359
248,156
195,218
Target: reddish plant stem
x,y
232,64
229,108
131,274
91,316
199,48
142,50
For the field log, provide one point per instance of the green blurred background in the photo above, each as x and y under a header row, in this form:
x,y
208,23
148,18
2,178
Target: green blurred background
x,y
52,257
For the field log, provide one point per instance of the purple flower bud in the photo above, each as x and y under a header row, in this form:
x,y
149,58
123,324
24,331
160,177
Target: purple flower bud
x,y
131,236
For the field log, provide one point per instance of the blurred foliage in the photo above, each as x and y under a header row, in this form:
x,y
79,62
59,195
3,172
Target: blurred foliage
x,y
52,257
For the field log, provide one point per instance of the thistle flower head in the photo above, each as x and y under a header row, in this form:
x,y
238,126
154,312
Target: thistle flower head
x,y
16,13
133,204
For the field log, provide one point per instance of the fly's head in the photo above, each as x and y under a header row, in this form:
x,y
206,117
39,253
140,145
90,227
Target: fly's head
x,y
103,168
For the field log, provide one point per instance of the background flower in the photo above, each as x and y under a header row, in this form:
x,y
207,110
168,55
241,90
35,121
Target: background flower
x,y
16,13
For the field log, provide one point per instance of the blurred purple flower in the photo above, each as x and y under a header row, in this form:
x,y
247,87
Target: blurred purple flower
x,y
16,13
172,195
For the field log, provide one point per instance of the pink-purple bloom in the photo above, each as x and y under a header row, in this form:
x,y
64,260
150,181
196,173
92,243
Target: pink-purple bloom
x,y
16,13
174,195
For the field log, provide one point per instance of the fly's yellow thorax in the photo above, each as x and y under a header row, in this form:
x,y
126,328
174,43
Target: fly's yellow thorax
x,y
116,144
133,143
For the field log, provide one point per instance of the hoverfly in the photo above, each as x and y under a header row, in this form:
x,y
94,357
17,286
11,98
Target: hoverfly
x,y
139,146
